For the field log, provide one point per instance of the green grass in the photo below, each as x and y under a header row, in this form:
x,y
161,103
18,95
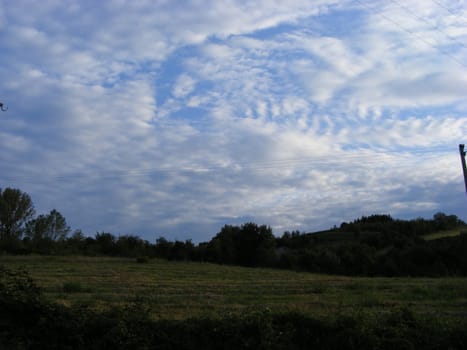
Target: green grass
x,y
176,290
336,236
444,234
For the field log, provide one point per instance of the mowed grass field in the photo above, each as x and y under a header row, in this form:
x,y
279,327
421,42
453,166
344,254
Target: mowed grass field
x,y
444,234
178,290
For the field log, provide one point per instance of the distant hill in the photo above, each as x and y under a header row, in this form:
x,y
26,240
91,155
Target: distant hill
x,y
367,228
381,245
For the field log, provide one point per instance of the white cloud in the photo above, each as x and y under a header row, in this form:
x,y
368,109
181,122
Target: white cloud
x,y
152,117
183,86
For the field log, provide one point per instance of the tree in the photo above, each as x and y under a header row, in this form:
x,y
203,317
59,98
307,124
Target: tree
x,y
52,226
76,243
45,231
106,243
16,209
130,245
182,251
255,245
222,249
446,222
163,248
58,228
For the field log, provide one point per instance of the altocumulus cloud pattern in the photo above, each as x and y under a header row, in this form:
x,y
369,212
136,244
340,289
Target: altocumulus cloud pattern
x,y
175,118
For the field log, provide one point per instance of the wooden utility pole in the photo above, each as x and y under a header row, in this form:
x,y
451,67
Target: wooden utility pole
x,y
464,166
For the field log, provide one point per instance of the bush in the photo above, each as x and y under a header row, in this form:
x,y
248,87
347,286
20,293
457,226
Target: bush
x,y
17,287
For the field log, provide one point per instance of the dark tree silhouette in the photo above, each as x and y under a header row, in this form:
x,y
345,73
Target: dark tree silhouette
x,y
16,209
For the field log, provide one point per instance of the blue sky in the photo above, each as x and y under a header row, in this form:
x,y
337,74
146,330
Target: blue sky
x,y
173,118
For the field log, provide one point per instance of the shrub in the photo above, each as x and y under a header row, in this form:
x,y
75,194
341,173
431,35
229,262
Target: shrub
x,y
17,287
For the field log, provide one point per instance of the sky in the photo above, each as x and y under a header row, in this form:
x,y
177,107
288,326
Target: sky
x,y
174,118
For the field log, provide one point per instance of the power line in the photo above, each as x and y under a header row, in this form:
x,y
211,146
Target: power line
x,y
449,10
318,163
408,10
416,36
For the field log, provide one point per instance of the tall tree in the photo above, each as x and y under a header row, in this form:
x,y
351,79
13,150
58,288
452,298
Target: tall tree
x,y
16,209
255,245
58,228
52,226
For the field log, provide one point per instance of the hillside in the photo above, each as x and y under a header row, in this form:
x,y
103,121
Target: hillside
x,y
381,245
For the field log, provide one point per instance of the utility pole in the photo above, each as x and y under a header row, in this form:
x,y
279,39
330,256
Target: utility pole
x,y
464,166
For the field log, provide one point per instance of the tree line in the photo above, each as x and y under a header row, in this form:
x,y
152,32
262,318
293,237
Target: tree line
x,y
376,245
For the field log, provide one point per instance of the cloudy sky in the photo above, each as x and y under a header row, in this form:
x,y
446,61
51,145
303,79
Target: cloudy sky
x,y
173,118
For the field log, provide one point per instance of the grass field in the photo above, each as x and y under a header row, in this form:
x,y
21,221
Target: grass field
x,y
444,234
175,290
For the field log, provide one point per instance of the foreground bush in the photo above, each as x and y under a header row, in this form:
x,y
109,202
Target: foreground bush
x,y
27,321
